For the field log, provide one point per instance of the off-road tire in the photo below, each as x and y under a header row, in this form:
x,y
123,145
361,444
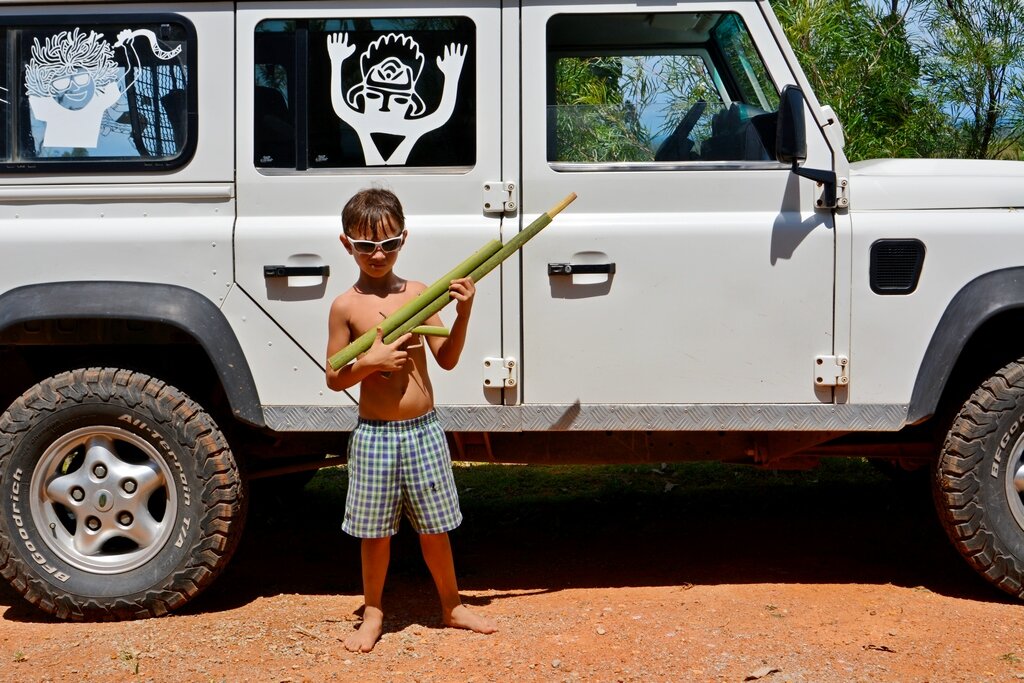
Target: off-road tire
x,y
979,504
134,487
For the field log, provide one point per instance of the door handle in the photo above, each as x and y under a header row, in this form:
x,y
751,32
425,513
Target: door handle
x,y
580,268
288,271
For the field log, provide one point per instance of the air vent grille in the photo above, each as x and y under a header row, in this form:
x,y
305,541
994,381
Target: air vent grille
x,y
896,266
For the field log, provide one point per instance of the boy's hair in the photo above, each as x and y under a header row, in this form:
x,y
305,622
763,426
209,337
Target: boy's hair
x,y
372,211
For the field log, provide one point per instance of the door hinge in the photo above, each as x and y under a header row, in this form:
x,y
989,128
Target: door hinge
x,y
833,193
500,373
499,197
832,189
831,371
842,193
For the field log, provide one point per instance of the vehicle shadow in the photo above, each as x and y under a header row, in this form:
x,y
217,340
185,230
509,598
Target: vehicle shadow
x,y
869,531
872,530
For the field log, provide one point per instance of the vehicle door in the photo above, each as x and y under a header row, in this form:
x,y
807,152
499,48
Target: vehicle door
x,y
334,98
692,268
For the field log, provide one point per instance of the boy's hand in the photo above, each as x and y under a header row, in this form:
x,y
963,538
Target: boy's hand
x,y
387,357
463,290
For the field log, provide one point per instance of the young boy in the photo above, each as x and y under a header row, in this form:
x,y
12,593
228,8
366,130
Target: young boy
x,y
398,457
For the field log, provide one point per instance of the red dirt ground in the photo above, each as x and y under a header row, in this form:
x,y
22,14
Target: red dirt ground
x,y
825,583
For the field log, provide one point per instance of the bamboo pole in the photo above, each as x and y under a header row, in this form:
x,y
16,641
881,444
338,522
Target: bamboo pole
x,y
417,311
390,323
513,245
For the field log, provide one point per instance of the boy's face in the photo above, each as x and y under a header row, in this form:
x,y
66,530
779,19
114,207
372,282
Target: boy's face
x,y
376,259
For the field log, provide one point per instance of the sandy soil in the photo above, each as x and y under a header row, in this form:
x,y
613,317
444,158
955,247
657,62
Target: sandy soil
x,y
830,583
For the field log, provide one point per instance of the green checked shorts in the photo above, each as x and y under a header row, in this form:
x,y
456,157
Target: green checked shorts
x,y
396,466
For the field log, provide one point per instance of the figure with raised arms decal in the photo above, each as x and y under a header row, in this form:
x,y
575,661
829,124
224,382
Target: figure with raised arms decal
x,y
385,100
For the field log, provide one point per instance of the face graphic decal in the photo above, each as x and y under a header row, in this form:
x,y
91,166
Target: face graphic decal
x,y
72,78
386,100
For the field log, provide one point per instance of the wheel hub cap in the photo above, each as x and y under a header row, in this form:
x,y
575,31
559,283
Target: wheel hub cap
x,y
104,499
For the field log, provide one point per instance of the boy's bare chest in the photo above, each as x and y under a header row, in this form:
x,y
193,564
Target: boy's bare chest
x,y
367,312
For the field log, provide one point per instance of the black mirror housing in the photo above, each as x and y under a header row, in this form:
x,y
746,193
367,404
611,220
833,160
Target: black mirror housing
x,y
790,134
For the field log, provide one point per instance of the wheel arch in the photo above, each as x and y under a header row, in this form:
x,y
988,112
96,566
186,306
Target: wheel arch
x,y
180,308
971,341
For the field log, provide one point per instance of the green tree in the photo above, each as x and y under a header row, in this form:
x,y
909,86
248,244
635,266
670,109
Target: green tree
x,y
860,61
975,59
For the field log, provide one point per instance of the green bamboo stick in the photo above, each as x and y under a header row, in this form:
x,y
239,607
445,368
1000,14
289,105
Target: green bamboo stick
x,y
419,317
393,321
513,245
432,331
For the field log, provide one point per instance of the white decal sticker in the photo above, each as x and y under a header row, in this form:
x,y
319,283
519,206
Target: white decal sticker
x,y
72,80
385,100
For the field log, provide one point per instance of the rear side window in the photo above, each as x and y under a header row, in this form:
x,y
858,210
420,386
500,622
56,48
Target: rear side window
x,y
112,96
370,92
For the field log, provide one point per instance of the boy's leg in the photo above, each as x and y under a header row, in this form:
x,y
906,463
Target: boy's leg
x,y
375,554
437,553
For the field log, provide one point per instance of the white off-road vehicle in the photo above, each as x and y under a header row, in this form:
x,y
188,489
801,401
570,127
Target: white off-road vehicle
x,y
727,285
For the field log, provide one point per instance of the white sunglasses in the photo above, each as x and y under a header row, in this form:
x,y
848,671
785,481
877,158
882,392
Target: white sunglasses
x,y
369,246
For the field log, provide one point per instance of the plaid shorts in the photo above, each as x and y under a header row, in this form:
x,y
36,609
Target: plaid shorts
x,y
396,466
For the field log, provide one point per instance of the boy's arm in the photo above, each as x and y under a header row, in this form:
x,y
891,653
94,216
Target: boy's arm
x,y
380,357
448,350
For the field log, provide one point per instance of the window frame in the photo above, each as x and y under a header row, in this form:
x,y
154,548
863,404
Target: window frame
x,y
107,166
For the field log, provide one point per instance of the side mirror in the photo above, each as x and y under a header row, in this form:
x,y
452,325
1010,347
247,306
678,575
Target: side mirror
x,y
790,134
791,146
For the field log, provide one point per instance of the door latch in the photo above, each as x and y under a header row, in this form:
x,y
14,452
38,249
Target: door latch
x,y
581,268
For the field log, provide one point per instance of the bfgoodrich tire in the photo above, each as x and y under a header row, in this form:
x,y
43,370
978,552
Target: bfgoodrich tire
x,y
120,497
979,483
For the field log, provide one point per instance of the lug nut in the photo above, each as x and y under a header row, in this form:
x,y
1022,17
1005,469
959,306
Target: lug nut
x,y
129,485
100,471
92,523
125,518
77,494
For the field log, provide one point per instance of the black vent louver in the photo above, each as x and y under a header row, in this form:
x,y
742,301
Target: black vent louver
x,y
896,266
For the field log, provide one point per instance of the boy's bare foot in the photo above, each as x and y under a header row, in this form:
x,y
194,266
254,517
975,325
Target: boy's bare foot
x,y
463,617
368,633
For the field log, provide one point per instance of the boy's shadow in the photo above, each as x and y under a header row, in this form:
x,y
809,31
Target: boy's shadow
x,y
274,559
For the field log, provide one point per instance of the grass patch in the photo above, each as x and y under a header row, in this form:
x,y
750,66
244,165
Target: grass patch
x,y
494,485
655,505
130,659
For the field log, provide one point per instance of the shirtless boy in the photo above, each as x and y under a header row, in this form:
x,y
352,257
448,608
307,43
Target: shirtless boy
x,y
398,457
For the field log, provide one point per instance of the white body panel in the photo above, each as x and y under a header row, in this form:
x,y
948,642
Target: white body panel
x,y
187,244
964,211
891,333
929,184
278,365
